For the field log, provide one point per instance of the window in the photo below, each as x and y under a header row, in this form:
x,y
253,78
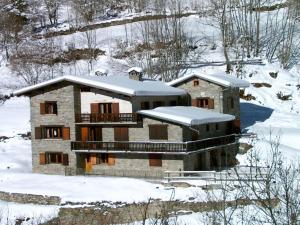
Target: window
x,y
230,103
105,108
158,104
102,158
173,103
51,107
155,160
52,132
207,127
54,158
48,108
158,132
145,105
196,82
203,103
217,127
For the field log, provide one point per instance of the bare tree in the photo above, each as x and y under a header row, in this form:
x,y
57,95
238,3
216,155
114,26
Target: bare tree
x,y
275,187
52,7
88,9
221,16
10,26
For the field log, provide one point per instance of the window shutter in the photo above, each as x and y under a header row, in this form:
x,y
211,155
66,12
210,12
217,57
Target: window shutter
x,y
211,103
42,108
195,102
115,107
111,159
84,133
155,160
65,159
230,103
42,158
158,132
38,132
94,107
163,132
98,133
66,133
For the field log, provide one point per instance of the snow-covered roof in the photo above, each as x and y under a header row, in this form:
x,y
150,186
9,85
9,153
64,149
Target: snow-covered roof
x,y
116,84
187,115
222,79
137,69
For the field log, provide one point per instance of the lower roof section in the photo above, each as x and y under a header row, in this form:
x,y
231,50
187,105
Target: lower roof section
x,y
187,115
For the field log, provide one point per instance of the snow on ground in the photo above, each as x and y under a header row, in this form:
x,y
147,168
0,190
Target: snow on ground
x,y
111,189
15,155
14,117
34,214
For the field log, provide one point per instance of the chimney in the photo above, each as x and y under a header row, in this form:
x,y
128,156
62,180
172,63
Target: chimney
x,y
135,73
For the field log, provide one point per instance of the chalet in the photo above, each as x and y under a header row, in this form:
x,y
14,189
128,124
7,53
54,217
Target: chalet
x,y
121,126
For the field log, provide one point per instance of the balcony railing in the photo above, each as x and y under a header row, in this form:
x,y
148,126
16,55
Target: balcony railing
x,y
106,117
154,146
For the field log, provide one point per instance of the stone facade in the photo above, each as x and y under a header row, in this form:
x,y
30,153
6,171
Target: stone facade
x,y
137,165
221,95
66,96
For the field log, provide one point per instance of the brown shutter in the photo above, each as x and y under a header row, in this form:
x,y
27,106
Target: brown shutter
x,y
38,133
155,160
42,158
66,133
111,159
158,132
195,102
94,107
84,133
164,132
98,133
211,104
121,134
65,159
115,107
42,108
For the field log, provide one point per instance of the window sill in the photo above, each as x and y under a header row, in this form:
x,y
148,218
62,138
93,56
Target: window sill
x,y
51,139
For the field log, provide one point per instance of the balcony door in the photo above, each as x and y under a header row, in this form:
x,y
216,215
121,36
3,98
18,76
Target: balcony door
x,y
104,108
91,133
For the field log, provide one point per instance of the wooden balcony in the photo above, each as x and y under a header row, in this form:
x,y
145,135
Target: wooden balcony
x,y
107,118
159,147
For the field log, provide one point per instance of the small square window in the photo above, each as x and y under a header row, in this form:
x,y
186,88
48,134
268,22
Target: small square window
x,y
207,127
50,108
145,105
196,82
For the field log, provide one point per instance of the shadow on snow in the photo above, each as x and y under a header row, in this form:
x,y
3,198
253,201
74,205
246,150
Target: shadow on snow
x,y
251,113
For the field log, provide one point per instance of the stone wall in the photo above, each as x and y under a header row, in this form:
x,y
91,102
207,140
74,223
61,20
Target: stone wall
x,y
64,94
29,198
137,165
232,93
